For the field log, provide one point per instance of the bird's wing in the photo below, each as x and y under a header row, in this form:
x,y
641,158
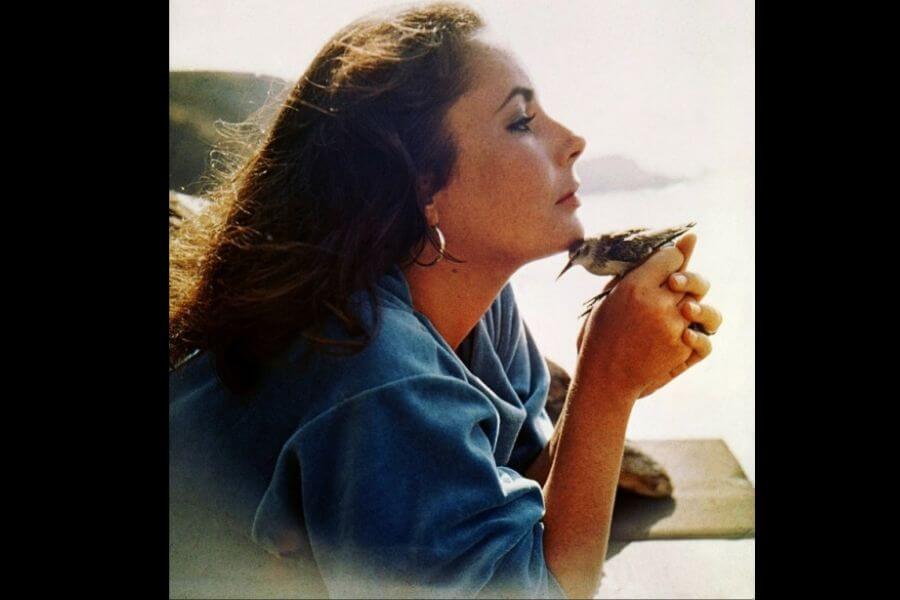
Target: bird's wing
x,y
629,250
618,245
625,234
638,246
663,236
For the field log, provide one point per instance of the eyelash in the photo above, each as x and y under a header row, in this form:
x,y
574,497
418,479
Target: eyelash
x,y
523,122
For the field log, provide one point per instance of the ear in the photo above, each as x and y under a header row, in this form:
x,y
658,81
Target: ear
x,y
431,213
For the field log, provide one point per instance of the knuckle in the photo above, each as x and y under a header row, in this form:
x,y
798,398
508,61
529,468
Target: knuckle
x,y
703,283
668,256
675,330
627,284
665,320
631,291
660,302
696,279
671,256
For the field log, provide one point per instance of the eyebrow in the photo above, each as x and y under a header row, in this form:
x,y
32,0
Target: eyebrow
x,y
525,92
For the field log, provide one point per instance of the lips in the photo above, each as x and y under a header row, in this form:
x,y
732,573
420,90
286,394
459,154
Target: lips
x,y
567,196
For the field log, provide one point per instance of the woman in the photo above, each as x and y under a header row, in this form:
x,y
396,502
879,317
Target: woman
x,y
355,390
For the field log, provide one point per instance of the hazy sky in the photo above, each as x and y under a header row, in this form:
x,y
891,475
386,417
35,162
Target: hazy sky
x,y
669,83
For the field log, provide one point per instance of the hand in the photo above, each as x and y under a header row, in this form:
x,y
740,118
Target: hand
x,y
633,339
695,287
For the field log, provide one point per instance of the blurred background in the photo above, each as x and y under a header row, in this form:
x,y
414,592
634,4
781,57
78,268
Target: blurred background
x,y
662,91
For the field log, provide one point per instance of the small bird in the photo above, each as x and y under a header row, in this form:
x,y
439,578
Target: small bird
x,y
618,252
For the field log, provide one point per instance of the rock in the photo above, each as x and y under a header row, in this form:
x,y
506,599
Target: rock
x,y
643,475
559,387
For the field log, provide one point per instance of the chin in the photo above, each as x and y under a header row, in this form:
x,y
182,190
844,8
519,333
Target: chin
x,y
575,235
561,238
571,238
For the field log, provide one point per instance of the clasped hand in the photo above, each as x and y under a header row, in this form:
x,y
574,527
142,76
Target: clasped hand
x,y
639,336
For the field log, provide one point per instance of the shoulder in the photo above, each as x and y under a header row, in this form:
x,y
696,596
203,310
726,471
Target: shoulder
x,y
400,372
402,346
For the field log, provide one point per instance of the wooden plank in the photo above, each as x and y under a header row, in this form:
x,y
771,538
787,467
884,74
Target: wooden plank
x,y
712,496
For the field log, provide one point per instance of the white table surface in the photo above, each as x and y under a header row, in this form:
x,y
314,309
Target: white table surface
x,y
680,569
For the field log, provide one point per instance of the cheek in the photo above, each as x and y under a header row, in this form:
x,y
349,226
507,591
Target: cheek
x,y
509,196
502,203
515,176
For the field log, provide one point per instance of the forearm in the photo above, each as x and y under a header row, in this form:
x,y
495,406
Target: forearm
x,y
584,456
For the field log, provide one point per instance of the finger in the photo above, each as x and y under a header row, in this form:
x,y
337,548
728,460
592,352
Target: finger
x,y
680,369
659,266
701,343
689,282
692,360
704,314
686,244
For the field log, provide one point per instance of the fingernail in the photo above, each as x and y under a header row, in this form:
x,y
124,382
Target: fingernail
x,y
680,280
695,308
691,335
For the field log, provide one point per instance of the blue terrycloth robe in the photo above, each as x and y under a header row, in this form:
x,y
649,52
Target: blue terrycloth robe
x,y
394,472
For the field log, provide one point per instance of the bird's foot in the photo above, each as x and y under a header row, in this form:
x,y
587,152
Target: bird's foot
x,y
590,303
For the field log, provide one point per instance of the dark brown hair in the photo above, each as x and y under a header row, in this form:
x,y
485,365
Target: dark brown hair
x,y
332,196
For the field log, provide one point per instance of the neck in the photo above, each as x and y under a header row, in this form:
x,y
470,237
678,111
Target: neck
x,y
455,296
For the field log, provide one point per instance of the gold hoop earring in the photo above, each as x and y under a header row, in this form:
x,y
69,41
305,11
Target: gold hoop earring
x,y
443,246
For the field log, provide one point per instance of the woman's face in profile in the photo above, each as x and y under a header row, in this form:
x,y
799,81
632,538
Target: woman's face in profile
x,y
513,163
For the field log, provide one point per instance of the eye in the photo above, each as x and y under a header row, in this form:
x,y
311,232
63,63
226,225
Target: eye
x,y
521,126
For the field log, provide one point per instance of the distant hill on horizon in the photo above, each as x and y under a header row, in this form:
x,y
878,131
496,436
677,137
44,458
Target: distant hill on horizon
x,y
198,99
615,173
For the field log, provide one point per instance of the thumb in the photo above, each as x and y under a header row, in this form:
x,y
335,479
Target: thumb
x,y
659,266
686,244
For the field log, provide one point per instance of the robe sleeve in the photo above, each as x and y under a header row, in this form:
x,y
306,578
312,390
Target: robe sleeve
x,y
401,497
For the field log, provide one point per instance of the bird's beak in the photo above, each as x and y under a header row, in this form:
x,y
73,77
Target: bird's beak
x,y
566,268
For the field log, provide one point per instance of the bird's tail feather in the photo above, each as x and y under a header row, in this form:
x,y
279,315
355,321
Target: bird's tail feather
x,y
672,233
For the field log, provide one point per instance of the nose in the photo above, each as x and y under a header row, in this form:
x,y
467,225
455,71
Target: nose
x,y
573,146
